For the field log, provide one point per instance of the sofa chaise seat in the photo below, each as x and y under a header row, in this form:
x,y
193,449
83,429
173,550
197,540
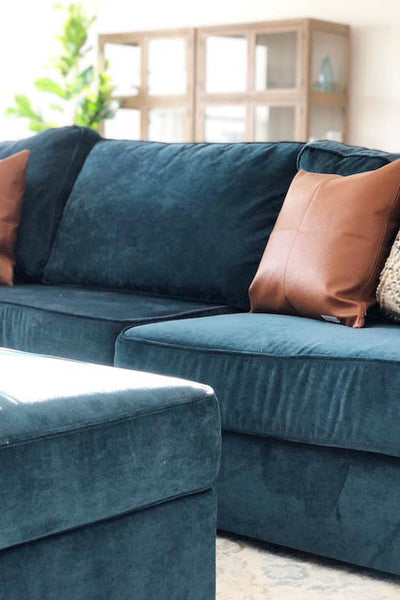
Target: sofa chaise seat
x,y
300,379
311,425
83,323
106,482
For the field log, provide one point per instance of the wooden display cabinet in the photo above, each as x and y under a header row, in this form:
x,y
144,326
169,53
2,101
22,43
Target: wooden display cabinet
x,y
265,81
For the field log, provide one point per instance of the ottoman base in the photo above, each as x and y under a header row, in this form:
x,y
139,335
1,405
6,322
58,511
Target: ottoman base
x,y
163,552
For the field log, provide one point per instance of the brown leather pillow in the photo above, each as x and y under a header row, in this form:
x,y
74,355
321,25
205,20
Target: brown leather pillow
x,y
12,187
329,244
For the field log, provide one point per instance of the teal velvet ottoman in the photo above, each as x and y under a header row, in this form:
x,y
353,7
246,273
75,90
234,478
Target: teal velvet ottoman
x,y
105,483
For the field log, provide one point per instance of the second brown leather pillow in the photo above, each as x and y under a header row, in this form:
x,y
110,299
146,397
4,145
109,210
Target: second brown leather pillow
x,y
329,244
12,186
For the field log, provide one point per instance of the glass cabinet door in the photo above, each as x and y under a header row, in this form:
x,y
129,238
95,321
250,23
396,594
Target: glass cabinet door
x,y
226,63
124,63
327,123
276,60
153,74
225,123
328,63
167,68
244,73
125,125
274,123
167,124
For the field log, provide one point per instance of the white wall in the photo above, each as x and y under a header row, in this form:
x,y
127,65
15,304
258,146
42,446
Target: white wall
x,y
375,87
27,31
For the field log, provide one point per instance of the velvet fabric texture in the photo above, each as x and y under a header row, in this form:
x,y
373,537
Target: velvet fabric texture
x,y
79,323
12,186
331,502
57,156
329,246
162,553
87,443
183,220
340,159
282,376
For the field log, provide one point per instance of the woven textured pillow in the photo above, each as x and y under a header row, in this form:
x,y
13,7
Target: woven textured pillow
x,y
388,292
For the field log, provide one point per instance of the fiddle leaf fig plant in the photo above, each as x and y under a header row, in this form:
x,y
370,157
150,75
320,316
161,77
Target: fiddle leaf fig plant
x,y
81,96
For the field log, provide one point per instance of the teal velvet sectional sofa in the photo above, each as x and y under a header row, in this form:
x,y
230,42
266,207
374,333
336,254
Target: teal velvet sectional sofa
x,y
140,254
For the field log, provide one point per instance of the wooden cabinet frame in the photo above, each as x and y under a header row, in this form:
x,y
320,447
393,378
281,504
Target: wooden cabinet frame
x,y
302,97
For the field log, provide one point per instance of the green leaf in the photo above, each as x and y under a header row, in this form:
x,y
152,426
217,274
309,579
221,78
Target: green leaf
x,y
25,108
82,82
39,126
44,84
56,107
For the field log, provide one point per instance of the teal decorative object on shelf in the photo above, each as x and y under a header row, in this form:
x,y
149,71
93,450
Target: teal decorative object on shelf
x,y
325,78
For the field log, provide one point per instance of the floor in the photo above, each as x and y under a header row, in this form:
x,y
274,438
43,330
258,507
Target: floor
x,y
251,570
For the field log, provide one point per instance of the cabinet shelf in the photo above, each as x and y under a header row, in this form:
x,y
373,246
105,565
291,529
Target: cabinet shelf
x,y
328,98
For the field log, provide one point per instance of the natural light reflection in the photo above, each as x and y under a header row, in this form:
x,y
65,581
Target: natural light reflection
x,y
28,378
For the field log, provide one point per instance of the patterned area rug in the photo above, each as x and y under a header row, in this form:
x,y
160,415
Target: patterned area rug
x,y
251,570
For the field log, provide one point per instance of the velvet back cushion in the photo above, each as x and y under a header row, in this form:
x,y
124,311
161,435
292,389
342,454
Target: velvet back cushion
x,y
57,156
183,220
325,156
329,245
12,186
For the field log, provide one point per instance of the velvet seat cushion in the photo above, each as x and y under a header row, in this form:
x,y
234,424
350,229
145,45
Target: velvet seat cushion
x,y
82,324
181,220
80,443
283,376
57,155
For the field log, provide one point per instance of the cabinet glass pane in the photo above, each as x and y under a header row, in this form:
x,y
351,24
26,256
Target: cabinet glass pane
x,y
225,124
167,66
226,63
328,66
167,124
125,125
124,64
276,60
327,123
274,123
